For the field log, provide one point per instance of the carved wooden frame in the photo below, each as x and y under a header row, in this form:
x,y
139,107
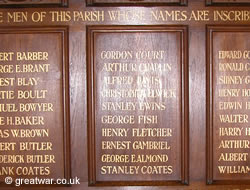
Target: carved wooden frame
x,y
63,3
209,101
183,30
63,30
137,3
229,3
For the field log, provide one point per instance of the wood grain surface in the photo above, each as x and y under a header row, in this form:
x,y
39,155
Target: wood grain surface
x,y
78,80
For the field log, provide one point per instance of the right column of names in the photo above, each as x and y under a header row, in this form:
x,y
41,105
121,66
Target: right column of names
x,y
230,105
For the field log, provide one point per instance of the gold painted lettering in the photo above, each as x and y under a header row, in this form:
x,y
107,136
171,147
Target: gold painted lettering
x,y
230,131
247,131
229,92
7,81
7,171
128,170
230,105
7,146
234,144
152,132
225,15
60,16
233,118
35,146
117,55
114,132
32,171
1,17
167,15
12,159
40,159
150,145
8,108
32,56
149,158
29,133
4,133
233,157
17,17
232,66
31,94
2,121
114,158
27,81
118,119
127,15
32,68
8,95
118,145
234,169
25,120
154,170
91,16
6,69
147,119
199,15
6,56
34,107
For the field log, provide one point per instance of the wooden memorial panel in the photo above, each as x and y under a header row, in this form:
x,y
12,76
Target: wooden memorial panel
x,y
137,105
228,105
135,2
23,3
34,110
228,2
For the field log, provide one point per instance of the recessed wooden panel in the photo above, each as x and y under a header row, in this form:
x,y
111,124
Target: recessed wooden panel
x,y
228,2
38,3
34,108
228,107
135,2
137,105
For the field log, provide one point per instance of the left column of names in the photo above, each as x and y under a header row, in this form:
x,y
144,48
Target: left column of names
x,y
34,105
